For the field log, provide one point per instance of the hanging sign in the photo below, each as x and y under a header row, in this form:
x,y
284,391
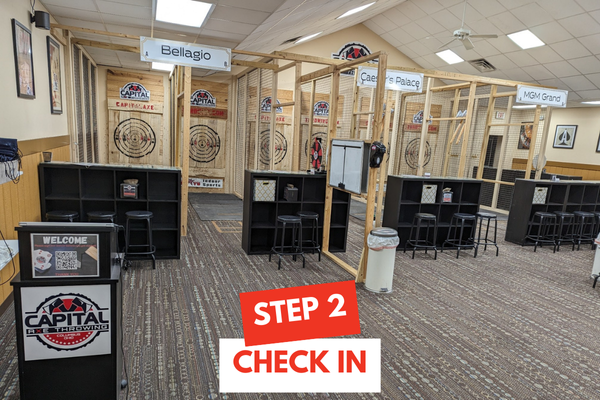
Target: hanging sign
x,y
188,54
542,96
134,91
203,98
394,80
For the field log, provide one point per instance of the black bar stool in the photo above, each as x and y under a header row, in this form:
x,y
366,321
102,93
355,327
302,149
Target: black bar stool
x,y
566,228
586,225
62,216
545,221
146,218
423,220
295,248
480,216
313,242
101,216
461,221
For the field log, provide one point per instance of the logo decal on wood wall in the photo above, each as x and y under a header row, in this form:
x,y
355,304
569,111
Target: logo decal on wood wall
x,y
352,51
203,98
321,109
265,105
134,138
204,143
134,91
411,154
280,147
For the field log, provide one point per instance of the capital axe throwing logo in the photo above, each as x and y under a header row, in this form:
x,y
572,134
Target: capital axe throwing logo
x,y
321,109
135,91
66,323
265,105
203,98
352,51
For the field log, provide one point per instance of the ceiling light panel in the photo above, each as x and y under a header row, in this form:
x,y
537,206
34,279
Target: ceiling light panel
x,y
449,56
526,39
355,10
183,12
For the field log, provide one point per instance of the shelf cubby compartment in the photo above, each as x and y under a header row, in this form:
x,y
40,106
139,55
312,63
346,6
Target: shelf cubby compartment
x,y
282,184
318,208
61,183
263,213
66,205
446,213
125,206
162,186
96,205
407,212
471,191
468,209
314,191
337,239
262,241
166,243
430,209
340,197
97,184
590,194
573,207
339,216
141,176
557,194
285,208
537,208
554,207
575,194
588,207
456,187
165,215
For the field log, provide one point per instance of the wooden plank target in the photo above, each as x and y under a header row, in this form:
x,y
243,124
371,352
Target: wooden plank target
x,y
135,138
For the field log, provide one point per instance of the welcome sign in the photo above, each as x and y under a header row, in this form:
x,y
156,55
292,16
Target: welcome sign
x,y
187,54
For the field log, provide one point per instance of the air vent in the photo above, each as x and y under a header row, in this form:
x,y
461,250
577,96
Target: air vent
x,y
482,65
292,40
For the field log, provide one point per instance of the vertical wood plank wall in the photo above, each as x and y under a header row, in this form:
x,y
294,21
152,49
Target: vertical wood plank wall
x,y
21,202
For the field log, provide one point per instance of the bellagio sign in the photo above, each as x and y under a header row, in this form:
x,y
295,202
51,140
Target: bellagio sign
x,y
187,54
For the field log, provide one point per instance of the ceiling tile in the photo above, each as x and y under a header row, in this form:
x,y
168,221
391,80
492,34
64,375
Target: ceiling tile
x,y
580,25
518,74
140,3
591,94
551,32
130,30
578,82
512,4
73,13
236,37
418,49
396,15
226,26
402,35
432,44
538,72
589,5
562,8
123,41
570,49
504,44
554,82
431,26
374,27
487,8
447,20
484,48
532,14
384,23
391,39
124,9
592,43
522,58
507,23
586,65
594,78
79,23
416,31
561,69
412,11
596,15
407,51
544,54
573,96
500,61
79,4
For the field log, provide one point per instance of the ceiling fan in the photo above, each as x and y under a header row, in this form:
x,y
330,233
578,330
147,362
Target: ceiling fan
x,y
464,35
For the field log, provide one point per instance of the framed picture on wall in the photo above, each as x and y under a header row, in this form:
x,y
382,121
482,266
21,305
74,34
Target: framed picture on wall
x,y
598,145
525,136
54,76
23,60
564,137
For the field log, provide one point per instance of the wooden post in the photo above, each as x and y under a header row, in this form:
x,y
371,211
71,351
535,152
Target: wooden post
x,y
467,131
355,106
273,125
334,95
395,126
369,132
257,124
544,144
383,169
486,134
378,126
297,135
536,122
502,153
185,157
311,116
424,127
450,131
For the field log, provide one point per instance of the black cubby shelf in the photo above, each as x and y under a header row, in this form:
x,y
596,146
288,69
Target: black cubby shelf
x,y
403,201
561,195
260,216
96,187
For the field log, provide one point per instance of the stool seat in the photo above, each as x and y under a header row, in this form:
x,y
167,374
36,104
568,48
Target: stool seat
x,y
485,215
545,221
583,213
311,244
62,215
486,241
563,214
138,214
425,216
466,217
307,214
101,216
458,241
545,214
295,248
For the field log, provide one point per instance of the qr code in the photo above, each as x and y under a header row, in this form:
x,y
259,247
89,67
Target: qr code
x,y
66,260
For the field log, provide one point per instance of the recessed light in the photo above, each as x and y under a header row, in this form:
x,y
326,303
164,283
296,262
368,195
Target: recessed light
x,y
355,10
449,56
305,38
525,39
595,102
183,12
162,66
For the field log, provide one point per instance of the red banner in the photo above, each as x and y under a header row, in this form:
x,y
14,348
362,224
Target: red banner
x,y
300,313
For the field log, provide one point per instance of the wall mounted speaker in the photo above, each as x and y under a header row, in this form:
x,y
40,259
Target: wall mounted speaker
x,y
41,19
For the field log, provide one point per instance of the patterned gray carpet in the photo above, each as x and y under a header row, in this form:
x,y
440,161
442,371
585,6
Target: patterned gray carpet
x,y
520,326
216,206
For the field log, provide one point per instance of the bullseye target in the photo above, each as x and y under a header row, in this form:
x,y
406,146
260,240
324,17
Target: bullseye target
x,y
205,143
280,149
135,138
411,154
322,136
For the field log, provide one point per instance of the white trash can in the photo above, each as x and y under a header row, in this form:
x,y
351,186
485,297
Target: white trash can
x,y
596,267
382,244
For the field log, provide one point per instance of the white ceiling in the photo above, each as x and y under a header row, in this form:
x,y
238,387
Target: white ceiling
x,y
570,28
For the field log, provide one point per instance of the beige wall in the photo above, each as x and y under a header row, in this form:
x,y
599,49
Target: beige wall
x,y
586,137
27,118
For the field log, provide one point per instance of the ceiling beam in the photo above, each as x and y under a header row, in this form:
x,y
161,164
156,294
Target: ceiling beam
x,y
254,64
93,31
106,46
307,59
